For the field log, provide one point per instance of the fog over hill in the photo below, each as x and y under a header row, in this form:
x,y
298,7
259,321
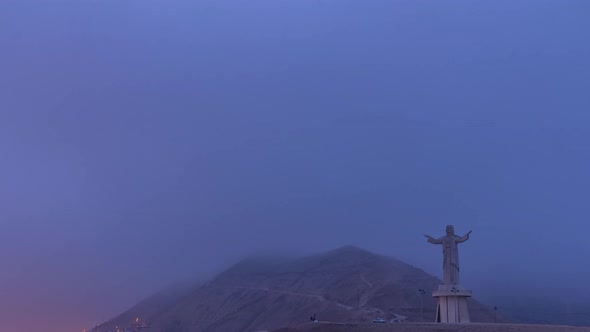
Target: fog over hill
x,y
348,284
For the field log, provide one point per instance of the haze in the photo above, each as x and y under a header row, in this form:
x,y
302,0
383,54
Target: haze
x,y
148,142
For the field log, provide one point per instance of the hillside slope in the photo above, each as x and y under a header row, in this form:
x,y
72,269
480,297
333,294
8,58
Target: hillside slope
x,y
344,285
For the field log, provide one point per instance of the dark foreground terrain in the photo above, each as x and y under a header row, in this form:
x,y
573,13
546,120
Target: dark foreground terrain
x,y
432,327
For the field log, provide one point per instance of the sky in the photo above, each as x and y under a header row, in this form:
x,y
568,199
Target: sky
x,y
147,142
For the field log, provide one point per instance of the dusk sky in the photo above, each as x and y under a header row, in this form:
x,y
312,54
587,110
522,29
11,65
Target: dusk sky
x,y
148,142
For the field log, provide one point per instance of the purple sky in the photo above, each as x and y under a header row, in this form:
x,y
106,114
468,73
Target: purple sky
x,y
146,142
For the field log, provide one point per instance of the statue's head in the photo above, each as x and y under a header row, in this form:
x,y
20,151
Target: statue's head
x,y
450,230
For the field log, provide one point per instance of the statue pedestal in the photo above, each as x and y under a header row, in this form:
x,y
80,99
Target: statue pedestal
x,y
452,304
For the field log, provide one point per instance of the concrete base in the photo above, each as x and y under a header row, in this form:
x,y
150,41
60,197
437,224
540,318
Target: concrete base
x,y
452,304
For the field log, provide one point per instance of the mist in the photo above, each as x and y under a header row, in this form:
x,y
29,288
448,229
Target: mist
x,y
149,142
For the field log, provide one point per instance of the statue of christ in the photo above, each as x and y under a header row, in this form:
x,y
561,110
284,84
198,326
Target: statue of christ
x,y
450,254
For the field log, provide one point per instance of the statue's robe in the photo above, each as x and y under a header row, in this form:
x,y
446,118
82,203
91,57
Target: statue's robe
x,y
450,257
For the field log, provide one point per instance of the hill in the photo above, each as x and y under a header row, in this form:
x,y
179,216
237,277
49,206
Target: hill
x,y
150,308
344,285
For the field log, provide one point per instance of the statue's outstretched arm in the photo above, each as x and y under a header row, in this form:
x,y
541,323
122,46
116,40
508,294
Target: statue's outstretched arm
x,y
463,238
433,240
